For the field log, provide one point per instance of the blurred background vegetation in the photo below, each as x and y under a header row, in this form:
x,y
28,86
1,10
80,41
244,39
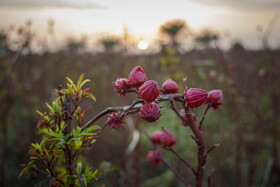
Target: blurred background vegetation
x,y
247,126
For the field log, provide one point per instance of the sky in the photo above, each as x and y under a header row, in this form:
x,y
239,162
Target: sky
x,y
233,19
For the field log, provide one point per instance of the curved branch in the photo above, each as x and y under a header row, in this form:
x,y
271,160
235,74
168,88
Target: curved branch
x,y
176,173
182,159
204,114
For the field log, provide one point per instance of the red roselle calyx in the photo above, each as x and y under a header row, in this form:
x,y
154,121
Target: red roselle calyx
x,y
120,84
153,157
169,87
215,98
137,77
149,91
195,97
167,138
156,136
150,112
117,122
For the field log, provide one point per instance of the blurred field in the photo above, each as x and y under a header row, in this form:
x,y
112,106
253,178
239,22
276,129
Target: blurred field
x,y
247,126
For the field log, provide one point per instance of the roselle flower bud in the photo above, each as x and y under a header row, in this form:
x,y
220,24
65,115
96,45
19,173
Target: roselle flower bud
x,y
137,77
150,112
153,157
120,84
167,138
156,136
170,86
195,97
149,91
117,122
215,98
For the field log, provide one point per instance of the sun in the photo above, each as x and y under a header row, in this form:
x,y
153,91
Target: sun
x,y
143,44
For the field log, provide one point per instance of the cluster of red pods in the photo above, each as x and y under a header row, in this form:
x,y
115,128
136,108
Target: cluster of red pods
x,y
149,91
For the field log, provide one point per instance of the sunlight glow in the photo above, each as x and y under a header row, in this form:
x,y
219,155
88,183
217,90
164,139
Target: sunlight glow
x,y
143,44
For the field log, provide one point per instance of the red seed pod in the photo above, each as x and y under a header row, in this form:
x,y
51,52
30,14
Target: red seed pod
x,y
215,97
120,84
150,112
156,136
149,91
195,97
137,77
118,122
170,86
167,138
153,157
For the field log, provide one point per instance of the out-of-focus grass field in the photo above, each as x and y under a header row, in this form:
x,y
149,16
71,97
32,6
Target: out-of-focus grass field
x,y
247,126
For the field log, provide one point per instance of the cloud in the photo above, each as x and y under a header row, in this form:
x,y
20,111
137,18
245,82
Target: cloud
x,y
80,4
257,5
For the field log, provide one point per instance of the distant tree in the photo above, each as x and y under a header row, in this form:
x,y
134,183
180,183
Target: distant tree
x,y
206,37
109,43
76,45
172,29
237,46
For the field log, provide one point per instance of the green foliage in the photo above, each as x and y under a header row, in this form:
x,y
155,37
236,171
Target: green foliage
x,y
61,142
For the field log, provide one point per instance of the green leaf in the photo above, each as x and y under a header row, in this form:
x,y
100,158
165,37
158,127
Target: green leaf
x,y
40,113
77,144
52,133
71,83
91,128
81,78
36,146
51,109
44,141
79,167
56,106
83,83
92,97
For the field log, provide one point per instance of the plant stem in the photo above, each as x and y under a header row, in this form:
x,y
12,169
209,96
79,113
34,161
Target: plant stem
x,y
209,177
201,148
172,106
182,159
202,118
53,174
78,176
110,110
176,173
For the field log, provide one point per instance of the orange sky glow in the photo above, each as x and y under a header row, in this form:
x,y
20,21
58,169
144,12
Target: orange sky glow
x,y
233,20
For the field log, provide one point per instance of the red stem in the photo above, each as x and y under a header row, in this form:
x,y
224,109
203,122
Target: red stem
x,y
201,148
202,118
182,159
176,173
